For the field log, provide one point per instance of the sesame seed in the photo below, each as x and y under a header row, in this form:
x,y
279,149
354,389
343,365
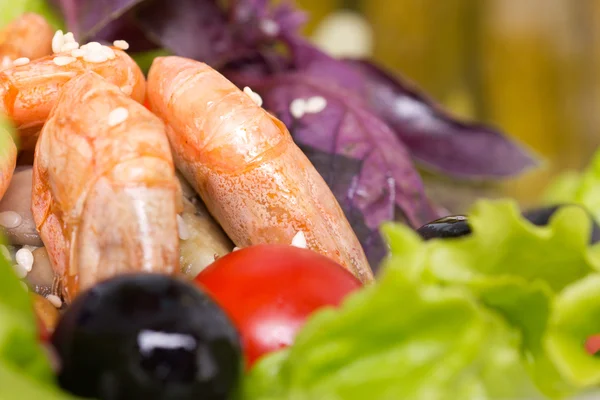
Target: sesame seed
x,y
21,61
235,248
69,37
117,116
5,252
69,47
121,44
315,105
269,27
94,52
254,96
297,108
108,52
10,219
257,99
24,258
63,60
55,300
92,46
24,286
95,57
77,53
58,40
184,232
20,271
299,240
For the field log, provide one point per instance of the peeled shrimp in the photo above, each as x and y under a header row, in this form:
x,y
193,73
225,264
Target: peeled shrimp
x,y
30,36
8,159
105,195
28,92
244,164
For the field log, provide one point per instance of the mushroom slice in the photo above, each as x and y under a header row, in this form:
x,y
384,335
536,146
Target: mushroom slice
x,y
201,237
16,220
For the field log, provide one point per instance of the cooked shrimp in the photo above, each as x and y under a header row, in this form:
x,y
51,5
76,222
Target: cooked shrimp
x,y
8,159
29,36
28,92
244,164
104,187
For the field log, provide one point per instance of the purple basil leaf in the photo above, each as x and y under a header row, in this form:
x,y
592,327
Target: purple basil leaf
x,y
206,31
345,127
289,19
189,28
259,66
434,138
125,28
272,21
339,172
85,18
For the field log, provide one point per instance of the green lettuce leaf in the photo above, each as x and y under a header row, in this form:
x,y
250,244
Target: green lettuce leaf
x,y
504,244
403,338
526,307
25,371
562,189
502,313
10,10
582,189
16,385
516,269
576,317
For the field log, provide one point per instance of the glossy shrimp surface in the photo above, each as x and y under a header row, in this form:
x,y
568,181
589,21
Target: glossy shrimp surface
x,y
28,36
8,159
244,164
104,188
28,92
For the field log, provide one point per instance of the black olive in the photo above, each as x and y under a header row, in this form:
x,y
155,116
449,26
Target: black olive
x,y
150,337
457,225
447,227
541,216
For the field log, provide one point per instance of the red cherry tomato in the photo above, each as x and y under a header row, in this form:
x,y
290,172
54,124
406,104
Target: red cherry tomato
x,y
269,291
592,345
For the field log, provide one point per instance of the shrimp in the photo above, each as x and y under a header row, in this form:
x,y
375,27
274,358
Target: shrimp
x,y
28,92
104,193
8,159
243,163
28,36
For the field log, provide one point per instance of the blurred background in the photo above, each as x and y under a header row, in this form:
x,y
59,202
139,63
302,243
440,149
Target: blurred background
x,y
527,66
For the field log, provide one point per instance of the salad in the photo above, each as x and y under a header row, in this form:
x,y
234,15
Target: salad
x,y
198,203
